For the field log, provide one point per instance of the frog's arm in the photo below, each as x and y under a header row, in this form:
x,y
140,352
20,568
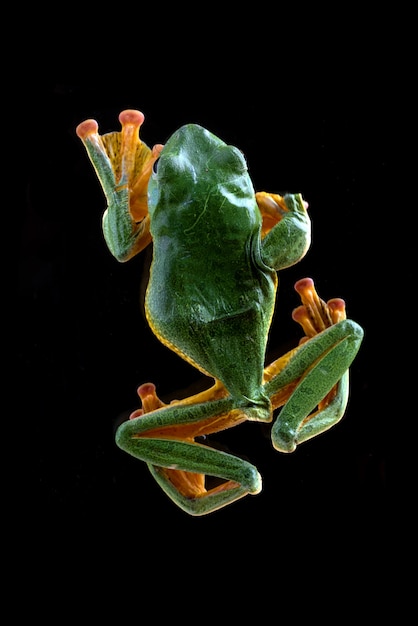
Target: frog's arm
x,y
123,164
286,229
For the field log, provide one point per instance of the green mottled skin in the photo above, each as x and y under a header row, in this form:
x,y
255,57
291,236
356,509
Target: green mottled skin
x,y
210,298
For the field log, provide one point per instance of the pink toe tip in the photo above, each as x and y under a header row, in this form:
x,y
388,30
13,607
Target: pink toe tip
x,y
131,116
88,127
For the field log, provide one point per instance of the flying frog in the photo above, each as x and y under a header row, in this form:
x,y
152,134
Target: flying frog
x,y
217,248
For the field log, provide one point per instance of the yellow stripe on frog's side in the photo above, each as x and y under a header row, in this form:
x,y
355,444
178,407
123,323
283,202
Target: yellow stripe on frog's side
x,y
171,345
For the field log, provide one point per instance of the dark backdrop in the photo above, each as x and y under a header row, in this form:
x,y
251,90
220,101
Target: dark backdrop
x,y
85,346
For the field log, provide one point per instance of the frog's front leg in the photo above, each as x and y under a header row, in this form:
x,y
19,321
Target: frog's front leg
x,y
123,164
164,437
286,228
311,382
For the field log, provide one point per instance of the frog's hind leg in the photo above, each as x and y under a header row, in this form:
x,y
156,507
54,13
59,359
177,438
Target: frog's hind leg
x,y
165,438
311,382
188,490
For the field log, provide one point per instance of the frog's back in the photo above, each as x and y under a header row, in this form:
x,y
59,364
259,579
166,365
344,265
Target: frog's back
x,y
208,286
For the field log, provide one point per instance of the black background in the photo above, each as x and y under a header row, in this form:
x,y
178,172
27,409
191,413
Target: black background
x,y
323,129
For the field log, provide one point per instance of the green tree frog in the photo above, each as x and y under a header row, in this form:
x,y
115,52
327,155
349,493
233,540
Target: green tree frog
x,y
217,247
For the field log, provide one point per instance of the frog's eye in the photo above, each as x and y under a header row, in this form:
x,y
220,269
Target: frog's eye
x,y
155,166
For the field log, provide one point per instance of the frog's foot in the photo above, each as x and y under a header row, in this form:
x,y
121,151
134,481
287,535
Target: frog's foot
x,y
315,315
272,208
151,402
311,381
123,164
198,478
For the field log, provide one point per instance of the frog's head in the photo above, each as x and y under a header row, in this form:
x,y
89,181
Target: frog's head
x,y
195,161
